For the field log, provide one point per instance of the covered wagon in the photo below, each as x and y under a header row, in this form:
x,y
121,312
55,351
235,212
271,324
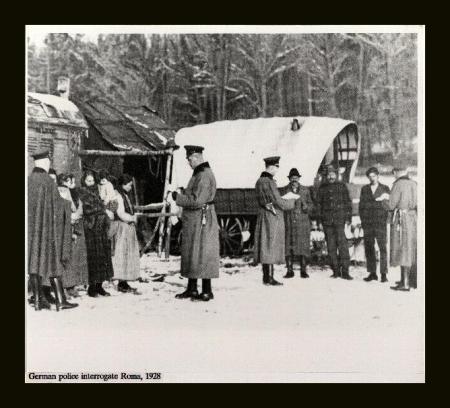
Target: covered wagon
x,y
235,150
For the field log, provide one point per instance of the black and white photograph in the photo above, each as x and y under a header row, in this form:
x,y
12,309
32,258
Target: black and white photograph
x,y
224,204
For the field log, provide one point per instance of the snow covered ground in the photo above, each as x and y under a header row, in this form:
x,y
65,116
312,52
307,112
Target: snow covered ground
x,y
309,330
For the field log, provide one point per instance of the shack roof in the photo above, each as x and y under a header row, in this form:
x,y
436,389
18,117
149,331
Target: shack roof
x,y
127,127
52,109
235,149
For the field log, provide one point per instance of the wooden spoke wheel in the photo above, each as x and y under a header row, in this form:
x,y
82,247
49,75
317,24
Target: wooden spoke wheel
x,y
230,236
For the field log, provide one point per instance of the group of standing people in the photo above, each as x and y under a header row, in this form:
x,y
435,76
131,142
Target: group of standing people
x,y
87,235
283,227
283,224
78,236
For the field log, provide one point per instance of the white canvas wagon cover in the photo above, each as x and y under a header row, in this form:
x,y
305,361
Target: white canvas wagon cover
x,y
235,149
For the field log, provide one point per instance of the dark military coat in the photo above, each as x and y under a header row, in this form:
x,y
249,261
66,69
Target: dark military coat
x,y
200,242
49,228
269,231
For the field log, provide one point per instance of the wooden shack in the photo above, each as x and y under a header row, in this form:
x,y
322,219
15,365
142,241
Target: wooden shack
x,y
55,123
127,139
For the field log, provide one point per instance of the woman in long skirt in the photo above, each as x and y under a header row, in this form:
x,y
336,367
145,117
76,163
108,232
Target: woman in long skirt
x,y
126,253
98,246
77,270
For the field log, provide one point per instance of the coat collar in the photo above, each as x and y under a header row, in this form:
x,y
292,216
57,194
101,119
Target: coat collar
x,y
377,190
39,170
266,174
291,187
402,178
201,167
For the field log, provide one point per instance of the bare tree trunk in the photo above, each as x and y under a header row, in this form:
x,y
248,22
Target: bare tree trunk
x,y
211,108
226,74
310,96
331,91
334,112
361,83
280,94
264,99
392,115
218,103
48,71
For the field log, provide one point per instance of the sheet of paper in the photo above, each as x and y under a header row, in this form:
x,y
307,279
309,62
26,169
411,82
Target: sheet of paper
x,y
290,195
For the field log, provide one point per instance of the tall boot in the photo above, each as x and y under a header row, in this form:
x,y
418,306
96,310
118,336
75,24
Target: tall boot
x,y
303,273
43,300
266,274
34,282
60,297
206,294
38,299
47,291
190,292
272,280
290,268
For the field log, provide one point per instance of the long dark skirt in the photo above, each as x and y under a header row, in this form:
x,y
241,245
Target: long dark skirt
x,y
98,248
76,273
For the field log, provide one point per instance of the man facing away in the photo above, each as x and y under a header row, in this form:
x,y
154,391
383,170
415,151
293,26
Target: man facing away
x,y
200,242
297,225
335,211
49,235
403,203
373,214
269,231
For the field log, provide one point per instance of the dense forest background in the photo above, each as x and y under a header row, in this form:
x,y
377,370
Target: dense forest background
x,y
191,79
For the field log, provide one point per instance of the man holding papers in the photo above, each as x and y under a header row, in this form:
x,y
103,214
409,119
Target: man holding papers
x,y
269,231
297,224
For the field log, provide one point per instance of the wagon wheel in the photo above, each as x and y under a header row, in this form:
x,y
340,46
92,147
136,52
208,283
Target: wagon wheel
x,y
230,234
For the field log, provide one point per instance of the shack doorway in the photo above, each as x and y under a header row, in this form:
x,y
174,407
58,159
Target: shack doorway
x,y
148,173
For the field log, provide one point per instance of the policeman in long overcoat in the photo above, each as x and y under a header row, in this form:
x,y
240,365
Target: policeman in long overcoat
x,y
269,231
49,236
335,210
200,242
297,225
403,204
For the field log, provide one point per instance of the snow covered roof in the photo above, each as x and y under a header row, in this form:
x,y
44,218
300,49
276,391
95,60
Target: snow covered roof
x,y
235,149
127,127
54,109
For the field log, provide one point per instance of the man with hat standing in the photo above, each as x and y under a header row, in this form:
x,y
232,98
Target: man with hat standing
x,y
200,242
335,211
49,234
373,216
403,203
297,225
269,231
